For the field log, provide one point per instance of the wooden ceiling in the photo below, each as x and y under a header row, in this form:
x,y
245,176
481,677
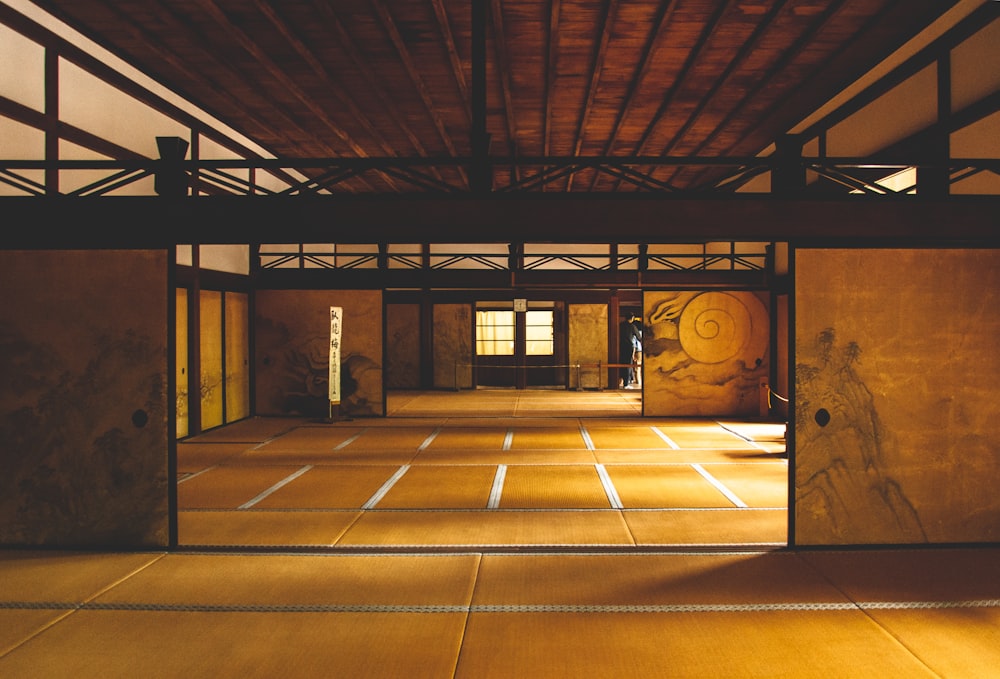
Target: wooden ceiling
x,y
521,80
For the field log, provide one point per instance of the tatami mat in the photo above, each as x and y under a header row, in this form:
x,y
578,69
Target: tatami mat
x,y
703,435
263,528
469,438
193,457
885,614
664,486
553,487
196,644
650,580
550,438
757,485
682,645
484,529
628,437
701,527
228,487
434,487
309,439
250,430
303,580
485,464
344,487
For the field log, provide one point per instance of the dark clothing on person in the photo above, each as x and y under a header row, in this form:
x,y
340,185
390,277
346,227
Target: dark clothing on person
x,y
629,342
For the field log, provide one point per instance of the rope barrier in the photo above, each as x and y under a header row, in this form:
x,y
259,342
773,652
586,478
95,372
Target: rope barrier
x,y
771,392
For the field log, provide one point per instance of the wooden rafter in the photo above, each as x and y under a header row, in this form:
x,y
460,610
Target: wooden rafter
x,y
269,65
787,58
668,98
663,15
199,76
738,59
321,72
307,55
551,45
346,42
411,68
503,66
610,8
390,81
444,26
705,35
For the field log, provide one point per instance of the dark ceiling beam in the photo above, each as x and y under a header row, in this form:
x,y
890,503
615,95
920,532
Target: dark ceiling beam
x,y
663,15
547,218
788,57
221,89
308,56
607,21
748,46
836,73
448,38
696,50
503,66
251,47
472,280
389,25
40,121
746,49
344,40
668,98
480,172
551,43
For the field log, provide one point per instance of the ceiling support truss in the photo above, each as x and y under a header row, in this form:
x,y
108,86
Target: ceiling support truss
x,y
321,176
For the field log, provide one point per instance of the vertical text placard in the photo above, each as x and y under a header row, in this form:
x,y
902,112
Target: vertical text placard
x,y
336,329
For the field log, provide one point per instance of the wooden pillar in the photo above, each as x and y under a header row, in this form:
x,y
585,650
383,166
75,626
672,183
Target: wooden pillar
x,y
51,121
788,176
933,175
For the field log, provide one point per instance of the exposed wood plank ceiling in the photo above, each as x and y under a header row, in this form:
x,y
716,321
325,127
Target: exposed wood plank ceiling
x,y
566,78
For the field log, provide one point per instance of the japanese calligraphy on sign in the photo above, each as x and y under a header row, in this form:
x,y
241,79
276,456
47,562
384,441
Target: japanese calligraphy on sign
x,y
336,330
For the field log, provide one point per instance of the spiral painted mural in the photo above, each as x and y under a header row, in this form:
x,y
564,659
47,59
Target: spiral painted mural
x,y
705,353
719,326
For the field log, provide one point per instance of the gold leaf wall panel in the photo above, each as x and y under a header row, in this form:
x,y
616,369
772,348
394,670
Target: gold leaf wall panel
x,y
705,353
897,369
588,344
291,354
83,401
237,378
211,359
402,335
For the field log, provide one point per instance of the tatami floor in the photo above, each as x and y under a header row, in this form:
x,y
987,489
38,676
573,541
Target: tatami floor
x,y
488,468
425,577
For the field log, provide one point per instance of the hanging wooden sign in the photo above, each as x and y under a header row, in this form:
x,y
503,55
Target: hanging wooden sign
x,y
336,331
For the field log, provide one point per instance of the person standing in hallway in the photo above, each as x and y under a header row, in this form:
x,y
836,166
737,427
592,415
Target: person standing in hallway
x,y
629,343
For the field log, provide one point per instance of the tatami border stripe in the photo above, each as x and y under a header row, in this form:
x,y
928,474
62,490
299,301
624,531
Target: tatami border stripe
x,y
742,437
497,490
195,474
505,608
386,487
429,439
343,444
508,439
609,487
666,439
283,482
720,486
587,441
